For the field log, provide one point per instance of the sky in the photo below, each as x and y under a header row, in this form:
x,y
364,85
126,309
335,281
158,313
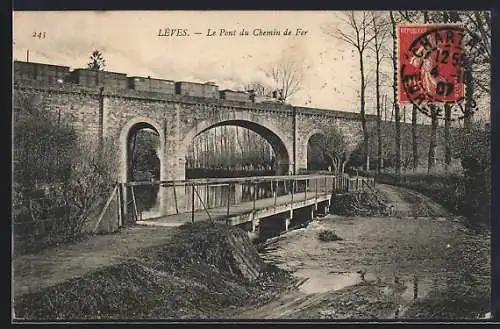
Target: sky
x,y
130,44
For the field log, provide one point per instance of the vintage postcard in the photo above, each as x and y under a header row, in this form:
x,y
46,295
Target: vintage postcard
x,y
247,165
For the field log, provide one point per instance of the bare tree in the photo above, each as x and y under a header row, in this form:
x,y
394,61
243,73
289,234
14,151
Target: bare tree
x,y
380,33
336,148
332,148
435,112
478,27
97,61
414,144
288,73
477,59
359,36
395,95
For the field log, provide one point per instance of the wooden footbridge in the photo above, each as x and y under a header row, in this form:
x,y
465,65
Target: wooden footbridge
x,y
248,200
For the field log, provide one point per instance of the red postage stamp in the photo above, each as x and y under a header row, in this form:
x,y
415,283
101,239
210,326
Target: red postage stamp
x,y
431,63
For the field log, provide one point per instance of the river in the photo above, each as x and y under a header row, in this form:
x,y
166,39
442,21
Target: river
x,y
411,250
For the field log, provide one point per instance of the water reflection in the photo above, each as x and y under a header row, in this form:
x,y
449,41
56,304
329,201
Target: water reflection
x,y
335,265
146,198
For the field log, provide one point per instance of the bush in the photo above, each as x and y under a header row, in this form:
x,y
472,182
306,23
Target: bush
x,y
360,203
58,181
328,235
43,144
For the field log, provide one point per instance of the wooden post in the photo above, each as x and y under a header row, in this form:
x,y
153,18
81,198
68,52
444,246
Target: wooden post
x,y
415,287
125,201
287,223
207,189
254,194
228,197
275,192
104,209
134,203
305,189
192,203
119,202
293,187
316,183
204,206
175,197
272,189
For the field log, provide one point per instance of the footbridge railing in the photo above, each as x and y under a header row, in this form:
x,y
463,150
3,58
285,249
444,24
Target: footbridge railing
x,y
216,196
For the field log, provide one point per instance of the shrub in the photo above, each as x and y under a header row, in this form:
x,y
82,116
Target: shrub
x,y
43,144
58,180
360,203
328,235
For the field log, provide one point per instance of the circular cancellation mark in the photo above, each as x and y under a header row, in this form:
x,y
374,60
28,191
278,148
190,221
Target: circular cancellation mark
x,y
432,65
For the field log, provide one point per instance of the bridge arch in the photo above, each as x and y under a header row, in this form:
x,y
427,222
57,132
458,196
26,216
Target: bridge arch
x,y
305,143
130,128
281,144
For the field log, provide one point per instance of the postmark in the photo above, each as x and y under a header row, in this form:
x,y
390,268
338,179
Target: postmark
x,y
431,62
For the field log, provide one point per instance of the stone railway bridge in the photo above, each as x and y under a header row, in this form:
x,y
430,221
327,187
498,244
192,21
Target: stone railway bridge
x,y
100,114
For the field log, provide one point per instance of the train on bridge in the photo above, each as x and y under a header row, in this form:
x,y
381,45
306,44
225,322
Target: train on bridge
x,y
56,74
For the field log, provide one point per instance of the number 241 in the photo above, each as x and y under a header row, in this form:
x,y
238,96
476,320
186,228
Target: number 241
x,y
39,35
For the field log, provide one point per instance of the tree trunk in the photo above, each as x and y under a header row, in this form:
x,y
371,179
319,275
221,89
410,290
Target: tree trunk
x,y
431,160
469,93
395,96
335,165
414,137
379,115
447,146
362,112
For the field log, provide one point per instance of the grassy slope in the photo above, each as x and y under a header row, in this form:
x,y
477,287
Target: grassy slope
x,y
192,276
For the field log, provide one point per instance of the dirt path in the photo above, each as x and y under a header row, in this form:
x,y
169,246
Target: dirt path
x,y
410,203
33,272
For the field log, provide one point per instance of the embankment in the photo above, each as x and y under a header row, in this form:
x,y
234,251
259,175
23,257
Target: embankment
x,y
204,271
